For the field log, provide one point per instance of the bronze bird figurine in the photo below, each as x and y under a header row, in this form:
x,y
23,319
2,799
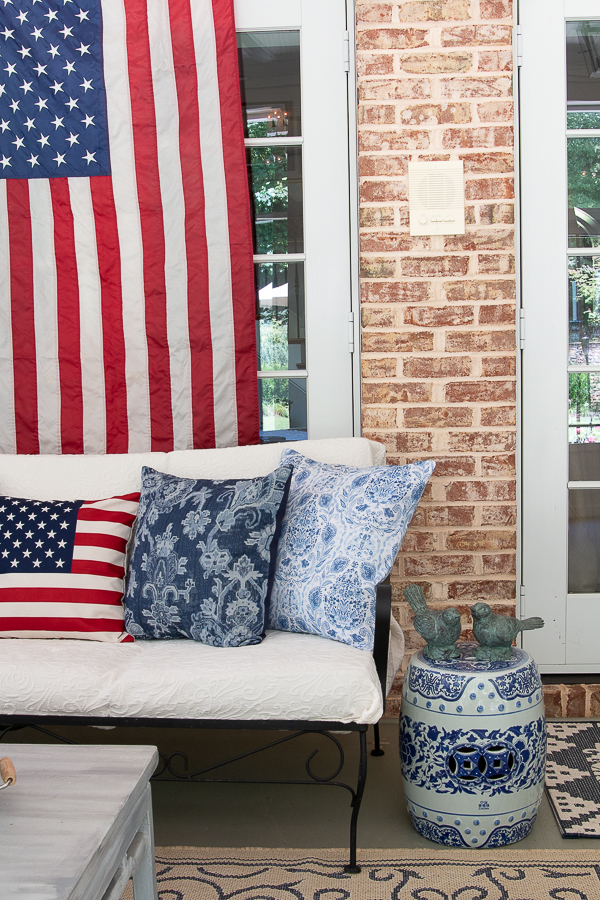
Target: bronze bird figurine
x,y
440,627
495,633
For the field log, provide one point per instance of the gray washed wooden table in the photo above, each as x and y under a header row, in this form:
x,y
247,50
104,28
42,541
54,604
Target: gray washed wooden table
x,y
78,823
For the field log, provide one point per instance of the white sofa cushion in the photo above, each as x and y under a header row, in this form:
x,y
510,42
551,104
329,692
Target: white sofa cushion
x,y
287,676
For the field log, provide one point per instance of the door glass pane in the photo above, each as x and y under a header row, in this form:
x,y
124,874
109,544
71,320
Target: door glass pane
x,y
275,175
583,65
584,541
584,310
584,191
269,64
282,409
280,334
584,426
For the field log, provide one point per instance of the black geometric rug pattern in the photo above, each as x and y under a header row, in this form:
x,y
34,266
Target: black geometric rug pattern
x,y
573,777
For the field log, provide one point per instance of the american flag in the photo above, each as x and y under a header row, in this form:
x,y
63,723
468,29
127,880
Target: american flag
x,y
62,566
126,274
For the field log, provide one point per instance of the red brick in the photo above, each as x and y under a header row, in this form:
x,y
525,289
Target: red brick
x,y
422,114
419,542
391,38
479,291
382,165
396,89
376,216
479,391
379,368
401,342
439,564
374,12
482,590
595,701
489,189
495,9
456,113
479,341
497,214
499,515
377,417
377,318
387,242
478,86
396,392
435,63
482,239
576,694
484,136
383,191
412,442
395,291
387,438
493,264
499,564
470,491
499,415
553,701
437,417
374,64
481,540
503,314
497,366
434,266
496,111
393,140
436,367
488,163
433,10
436,516
464,35
376,115
377,268
438,316
495,61
453,466
481,441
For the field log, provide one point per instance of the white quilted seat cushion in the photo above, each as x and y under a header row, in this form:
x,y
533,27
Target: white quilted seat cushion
x,y
287,676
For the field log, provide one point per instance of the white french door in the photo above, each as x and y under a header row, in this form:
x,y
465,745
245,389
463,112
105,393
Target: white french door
x,y
560,236
296,60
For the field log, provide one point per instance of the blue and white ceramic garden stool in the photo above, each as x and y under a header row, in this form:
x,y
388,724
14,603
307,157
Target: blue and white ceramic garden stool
x,y
473,748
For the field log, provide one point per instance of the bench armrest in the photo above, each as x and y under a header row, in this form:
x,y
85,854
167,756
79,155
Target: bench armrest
x,y
383,612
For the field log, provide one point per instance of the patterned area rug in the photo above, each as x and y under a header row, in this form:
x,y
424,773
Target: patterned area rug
x,y
573,777
194,873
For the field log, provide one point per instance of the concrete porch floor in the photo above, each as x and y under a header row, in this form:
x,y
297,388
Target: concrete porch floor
x,y
246,815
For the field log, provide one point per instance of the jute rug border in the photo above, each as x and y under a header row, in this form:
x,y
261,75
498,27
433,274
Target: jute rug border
x,y
404,854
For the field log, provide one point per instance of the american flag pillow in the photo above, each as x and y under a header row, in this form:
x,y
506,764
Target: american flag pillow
x,y
62,567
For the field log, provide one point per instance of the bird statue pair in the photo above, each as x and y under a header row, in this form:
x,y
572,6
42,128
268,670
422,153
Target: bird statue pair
x,y
441,628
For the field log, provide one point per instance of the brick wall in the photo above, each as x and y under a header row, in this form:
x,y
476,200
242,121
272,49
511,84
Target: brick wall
x,y
438,313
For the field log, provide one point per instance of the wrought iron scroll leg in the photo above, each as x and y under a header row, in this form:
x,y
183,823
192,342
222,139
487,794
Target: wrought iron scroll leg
x,y
377,751
352,868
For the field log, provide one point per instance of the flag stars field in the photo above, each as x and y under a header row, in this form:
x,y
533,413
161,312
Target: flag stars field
x,y
60,51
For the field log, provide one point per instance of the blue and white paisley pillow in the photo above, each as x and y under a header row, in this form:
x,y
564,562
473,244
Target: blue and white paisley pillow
x,y
341,533
203,557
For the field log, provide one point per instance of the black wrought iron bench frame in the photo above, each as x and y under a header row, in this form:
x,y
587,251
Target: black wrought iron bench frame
x,y
168,769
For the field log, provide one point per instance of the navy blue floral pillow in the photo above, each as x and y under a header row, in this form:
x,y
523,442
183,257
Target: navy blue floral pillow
x,y
203,557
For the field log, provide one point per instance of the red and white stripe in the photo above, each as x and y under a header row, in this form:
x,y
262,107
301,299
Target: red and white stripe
x,y
127,302
87,602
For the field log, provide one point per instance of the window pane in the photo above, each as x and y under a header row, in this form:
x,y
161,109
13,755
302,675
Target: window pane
x,y
280,316
282,409
584,310
583,64
270,82
584,191
275,175
584,539
584,426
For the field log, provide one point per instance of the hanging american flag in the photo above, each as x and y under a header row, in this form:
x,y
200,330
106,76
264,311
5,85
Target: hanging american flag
x,y
126,277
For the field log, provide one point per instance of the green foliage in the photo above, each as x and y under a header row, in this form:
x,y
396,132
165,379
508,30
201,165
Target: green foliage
x,y
584,171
